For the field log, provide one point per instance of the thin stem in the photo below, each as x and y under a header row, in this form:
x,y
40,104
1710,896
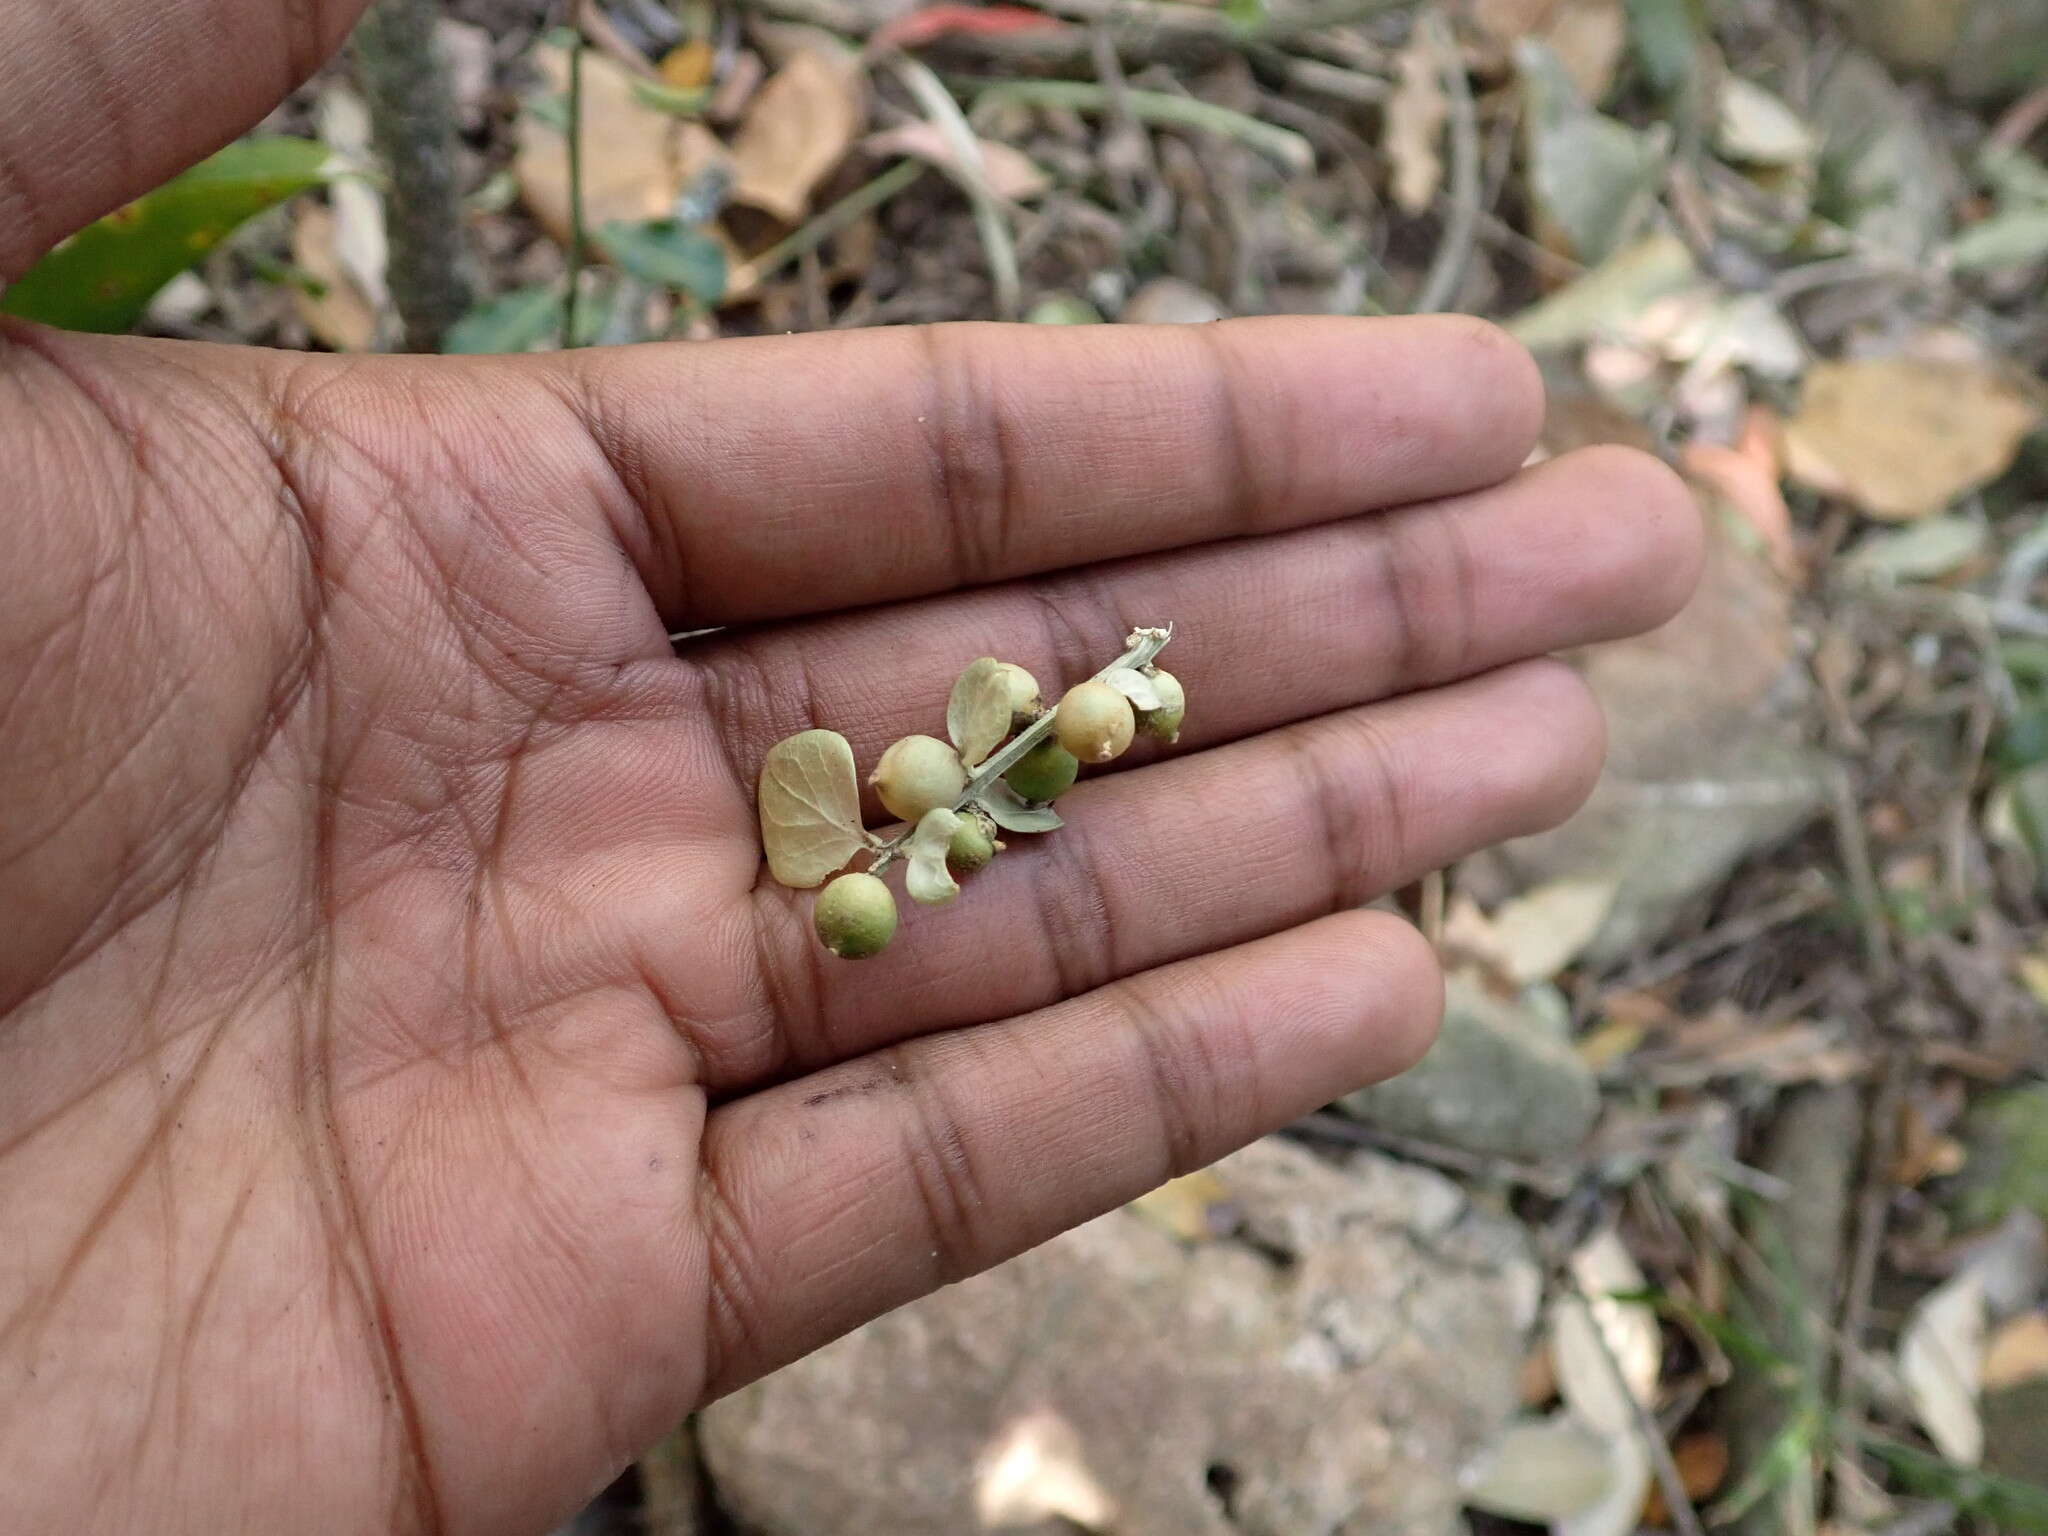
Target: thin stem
x,y
1145,645
861,200
968,172
1454,254
577,234
1284,146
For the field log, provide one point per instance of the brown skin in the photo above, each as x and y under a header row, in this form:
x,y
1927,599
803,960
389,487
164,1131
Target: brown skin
x,y
413,1097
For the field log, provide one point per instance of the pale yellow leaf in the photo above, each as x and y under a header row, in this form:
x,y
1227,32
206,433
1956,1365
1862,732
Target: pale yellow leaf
x,y
1540,933
796,131
810,808
978,711
1542,1469
1902,437
1187,1207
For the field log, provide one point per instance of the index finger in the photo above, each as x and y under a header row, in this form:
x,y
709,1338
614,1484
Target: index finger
x,y
794,475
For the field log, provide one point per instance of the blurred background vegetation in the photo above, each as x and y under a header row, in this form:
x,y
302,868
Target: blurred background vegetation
x,y
1721,1201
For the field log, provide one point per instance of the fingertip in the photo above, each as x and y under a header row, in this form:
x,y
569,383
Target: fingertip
x,y
1413,999
1382,994
1657,525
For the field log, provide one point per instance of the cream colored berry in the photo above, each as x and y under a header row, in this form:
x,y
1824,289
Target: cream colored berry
x,y
1095,722
918,774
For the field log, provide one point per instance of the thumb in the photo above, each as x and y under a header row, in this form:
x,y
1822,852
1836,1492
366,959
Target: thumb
x,y
101,100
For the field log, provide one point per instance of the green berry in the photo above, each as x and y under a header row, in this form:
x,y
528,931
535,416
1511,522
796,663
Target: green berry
x,y
855,916
918,774
1044,773
1164,722
1095,722
973,846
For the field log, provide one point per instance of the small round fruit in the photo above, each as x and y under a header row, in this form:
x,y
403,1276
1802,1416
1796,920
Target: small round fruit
x,y
973,846
918,774
1164,722
1044,773
855,916
1095,722
1024,701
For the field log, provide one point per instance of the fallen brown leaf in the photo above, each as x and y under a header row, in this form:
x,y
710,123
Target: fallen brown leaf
x,y
796,131
1702,1461
2018,1352
1902,437
632,168
341,318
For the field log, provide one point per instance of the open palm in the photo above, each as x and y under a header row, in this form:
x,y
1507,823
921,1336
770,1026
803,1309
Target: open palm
x,y
413,1096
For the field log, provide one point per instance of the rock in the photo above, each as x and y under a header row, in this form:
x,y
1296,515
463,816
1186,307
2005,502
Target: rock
x,y
1169,301
1497,1081
1324,1373
1707,761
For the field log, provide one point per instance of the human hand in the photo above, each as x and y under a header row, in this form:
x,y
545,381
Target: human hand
x,y
413,1095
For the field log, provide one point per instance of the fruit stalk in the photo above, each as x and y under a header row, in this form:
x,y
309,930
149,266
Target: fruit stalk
x,y
1145,645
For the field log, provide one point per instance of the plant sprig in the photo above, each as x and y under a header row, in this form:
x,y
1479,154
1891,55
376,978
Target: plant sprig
x,y
1006,759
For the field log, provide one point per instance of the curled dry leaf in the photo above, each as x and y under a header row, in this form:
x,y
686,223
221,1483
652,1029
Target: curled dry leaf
x,y
1607,1352
978,712
927,879
1011,174
810,808
1009,810
1135,686
1586,1331
797,129
341,317
1414,124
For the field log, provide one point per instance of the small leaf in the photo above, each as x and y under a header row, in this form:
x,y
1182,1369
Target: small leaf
x,y
1941,1355
667,254
1542,1469
1009,810
810,808
103,277
1135,686
927,879
512,322
978,713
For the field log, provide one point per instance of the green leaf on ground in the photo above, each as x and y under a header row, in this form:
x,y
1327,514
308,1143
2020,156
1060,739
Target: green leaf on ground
x,y
103,277
667,254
